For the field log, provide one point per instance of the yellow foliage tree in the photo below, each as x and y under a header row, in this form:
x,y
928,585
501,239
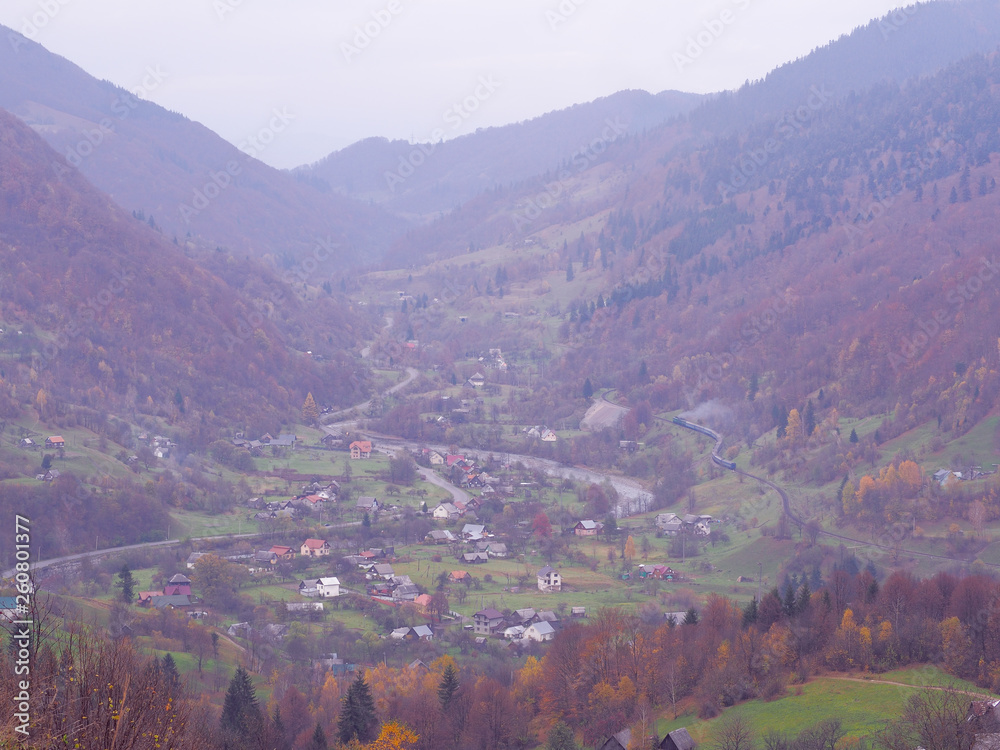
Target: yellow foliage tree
x,y
310,412
394,736
629,548
793,432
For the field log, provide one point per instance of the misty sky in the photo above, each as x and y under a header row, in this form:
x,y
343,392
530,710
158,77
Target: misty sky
x,y
330,72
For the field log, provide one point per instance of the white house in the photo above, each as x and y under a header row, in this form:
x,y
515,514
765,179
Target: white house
x,y
549,579
540,631
329,587
446,511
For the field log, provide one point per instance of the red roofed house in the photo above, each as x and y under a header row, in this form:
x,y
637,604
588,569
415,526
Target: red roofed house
x,y
283,553
179,585
453,459
361,449
56,441
315,548
423,603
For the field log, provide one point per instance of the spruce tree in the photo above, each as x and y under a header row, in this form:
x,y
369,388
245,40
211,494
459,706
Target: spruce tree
x,y
357,713
691,617
449,686
318,741
854,436
171,677
750,613
241,718
127,584
588,388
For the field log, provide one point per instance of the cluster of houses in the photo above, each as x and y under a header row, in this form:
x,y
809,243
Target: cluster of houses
x,y
383,584
541,432
256,447
947,477
176,593
53,442
679,739
461,470
521,625
481,544
310,497
672,524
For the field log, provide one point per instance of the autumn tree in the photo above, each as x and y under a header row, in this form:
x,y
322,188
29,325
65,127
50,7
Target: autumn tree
x,y
541,526
629,552
561,738
310,412
793,432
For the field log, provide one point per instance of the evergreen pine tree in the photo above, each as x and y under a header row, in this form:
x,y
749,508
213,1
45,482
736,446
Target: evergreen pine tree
x,y
171,677
241,718
588,388
357,713
448,687
750,613
691,617
127,584
854,435
278,726
318,741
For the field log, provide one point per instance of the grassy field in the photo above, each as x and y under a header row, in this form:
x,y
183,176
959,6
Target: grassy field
x,y
862,706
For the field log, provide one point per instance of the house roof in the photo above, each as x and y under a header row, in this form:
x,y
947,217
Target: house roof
x,y
587,524
547,570
174,600
542,627
367,501
308,583
399,633
180,578
423,631
365,446
56,439
490,614
682,740
458,575
280,549
330,581
423,600
314,543
383,569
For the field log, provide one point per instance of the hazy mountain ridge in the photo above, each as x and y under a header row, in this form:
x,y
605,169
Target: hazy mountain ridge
x,y
102,312
188,178
424,179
